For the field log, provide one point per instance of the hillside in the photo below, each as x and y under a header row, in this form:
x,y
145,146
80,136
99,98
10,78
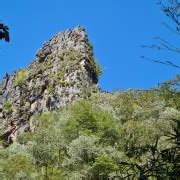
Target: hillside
x,y
56,123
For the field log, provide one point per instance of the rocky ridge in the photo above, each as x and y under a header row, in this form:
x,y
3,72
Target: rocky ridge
x,y
64,70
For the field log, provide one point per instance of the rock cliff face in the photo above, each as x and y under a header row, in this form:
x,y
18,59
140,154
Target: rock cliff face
x,y
64,70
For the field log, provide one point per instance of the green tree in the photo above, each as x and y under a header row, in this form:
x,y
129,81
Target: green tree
x,y
103,167
19,167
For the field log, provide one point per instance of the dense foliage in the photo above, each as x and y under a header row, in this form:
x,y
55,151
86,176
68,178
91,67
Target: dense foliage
x,y
127,135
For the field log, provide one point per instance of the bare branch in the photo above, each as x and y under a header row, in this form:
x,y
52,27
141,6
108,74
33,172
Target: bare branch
x,y
168,63
171,29
162,45
171,10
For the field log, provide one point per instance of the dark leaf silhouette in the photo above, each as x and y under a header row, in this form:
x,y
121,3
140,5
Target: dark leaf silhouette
x,y
4,32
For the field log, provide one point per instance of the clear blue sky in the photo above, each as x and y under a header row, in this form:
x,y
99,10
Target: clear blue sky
x,y
116,28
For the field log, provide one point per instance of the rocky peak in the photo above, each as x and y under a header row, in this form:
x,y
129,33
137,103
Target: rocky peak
x,y
64,70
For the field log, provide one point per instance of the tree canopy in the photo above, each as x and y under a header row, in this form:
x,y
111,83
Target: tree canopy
x,y
124,135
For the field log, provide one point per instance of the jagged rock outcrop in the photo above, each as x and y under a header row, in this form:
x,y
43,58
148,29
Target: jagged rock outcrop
x,y
64,70
3,97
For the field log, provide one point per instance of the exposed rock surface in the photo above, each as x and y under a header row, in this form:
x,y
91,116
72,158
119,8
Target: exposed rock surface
x,y
64,70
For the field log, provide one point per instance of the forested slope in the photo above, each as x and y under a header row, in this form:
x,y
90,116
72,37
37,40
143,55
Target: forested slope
x,y
57,124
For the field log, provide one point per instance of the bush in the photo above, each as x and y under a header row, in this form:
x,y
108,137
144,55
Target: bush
x,y
103,166
21,77
7,107
18,167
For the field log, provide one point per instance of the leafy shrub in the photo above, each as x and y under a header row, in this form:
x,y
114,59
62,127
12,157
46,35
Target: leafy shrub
x,y
18,166
20,77
7,107
103,166
98,70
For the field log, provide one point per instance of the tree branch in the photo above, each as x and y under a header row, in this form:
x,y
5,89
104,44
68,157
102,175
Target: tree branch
x,y
168,63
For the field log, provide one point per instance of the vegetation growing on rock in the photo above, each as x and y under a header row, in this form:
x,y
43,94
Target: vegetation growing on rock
x,y
21,77
62,126
7,107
